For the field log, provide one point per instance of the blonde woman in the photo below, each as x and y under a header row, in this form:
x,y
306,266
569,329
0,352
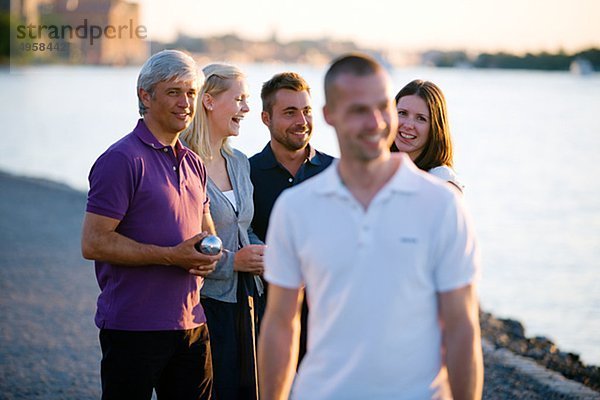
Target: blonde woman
x,y
232,295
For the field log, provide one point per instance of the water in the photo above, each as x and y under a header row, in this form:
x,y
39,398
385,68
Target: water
x,y
526,147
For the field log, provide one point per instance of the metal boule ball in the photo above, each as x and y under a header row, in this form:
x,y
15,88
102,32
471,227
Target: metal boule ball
x,y
210,245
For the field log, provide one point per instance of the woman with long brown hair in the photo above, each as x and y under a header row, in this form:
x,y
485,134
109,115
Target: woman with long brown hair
x,y
423,129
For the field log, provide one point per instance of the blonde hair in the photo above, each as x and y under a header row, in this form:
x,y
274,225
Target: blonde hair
x,y
217,80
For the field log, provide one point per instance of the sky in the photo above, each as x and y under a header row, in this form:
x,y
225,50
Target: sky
x,y
515,26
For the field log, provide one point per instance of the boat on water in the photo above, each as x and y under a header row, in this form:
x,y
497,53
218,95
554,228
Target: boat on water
x,y
581,66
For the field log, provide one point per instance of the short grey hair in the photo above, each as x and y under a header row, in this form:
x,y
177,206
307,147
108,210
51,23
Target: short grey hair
x,y
165,66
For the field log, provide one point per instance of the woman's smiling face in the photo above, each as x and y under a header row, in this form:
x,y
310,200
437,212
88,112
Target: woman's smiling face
x,y
414,124
229,108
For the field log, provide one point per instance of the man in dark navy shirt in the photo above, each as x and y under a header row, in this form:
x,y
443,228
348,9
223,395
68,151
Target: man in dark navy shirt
x,y
288,159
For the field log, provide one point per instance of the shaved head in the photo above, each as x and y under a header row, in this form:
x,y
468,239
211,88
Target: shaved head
x,y
354,64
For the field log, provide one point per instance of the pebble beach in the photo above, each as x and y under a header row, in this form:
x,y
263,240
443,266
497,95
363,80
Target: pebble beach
x,y
48,341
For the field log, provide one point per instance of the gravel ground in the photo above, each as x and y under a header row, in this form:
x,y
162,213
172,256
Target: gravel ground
x,y
49,344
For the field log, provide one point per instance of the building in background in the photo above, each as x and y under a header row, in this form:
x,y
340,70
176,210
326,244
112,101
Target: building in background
x,y
106,32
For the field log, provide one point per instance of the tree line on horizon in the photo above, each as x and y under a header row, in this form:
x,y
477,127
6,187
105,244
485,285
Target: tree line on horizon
x,y
296,51
560,61
325,49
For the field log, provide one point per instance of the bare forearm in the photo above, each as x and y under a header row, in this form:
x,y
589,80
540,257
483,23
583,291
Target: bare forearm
x,y
459,315
115,248
465,362
208,225
277,356
101,242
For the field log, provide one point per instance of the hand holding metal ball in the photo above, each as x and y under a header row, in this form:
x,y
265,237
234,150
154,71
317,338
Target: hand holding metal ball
x,y
210,245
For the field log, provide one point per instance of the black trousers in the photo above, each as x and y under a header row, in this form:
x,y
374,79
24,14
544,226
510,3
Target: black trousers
x,y
233,335
177,364
303,331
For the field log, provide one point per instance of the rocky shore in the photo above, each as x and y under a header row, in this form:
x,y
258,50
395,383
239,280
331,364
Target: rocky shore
x,y
510,334
49,345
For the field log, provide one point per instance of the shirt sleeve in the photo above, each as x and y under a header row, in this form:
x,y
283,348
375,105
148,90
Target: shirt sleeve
x,y
224,268
456,257
446,173
112,186
282,264
253,238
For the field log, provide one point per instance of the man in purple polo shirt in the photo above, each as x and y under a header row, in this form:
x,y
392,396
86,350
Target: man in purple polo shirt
x,y
146,207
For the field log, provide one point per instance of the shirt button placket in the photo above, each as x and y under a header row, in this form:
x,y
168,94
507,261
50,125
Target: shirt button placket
x,y
360,235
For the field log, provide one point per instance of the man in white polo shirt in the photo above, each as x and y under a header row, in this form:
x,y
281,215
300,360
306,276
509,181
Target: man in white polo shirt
x,y
389,268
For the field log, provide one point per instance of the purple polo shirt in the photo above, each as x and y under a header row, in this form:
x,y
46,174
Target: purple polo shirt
x,y
159,199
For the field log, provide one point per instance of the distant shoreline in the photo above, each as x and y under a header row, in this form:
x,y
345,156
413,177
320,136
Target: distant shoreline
x,y
236,49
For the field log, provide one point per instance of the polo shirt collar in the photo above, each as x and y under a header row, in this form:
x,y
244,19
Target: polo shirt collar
x,y
313,156
267,157
404,180
143,133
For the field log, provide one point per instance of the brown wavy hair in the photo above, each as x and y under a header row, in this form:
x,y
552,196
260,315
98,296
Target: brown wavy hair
x,y
438,149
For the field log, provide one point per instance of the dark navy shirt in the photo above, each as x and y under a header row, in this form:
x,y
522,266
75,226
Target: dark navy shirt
x,y
270,178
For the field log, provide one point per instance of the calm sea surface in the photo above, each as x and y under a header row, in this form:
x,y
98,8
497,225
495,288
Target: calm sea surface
x,y
527,147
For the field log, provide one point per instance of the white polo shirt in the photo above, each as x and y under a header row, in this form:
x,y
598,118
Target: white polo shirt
x,y
372,277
